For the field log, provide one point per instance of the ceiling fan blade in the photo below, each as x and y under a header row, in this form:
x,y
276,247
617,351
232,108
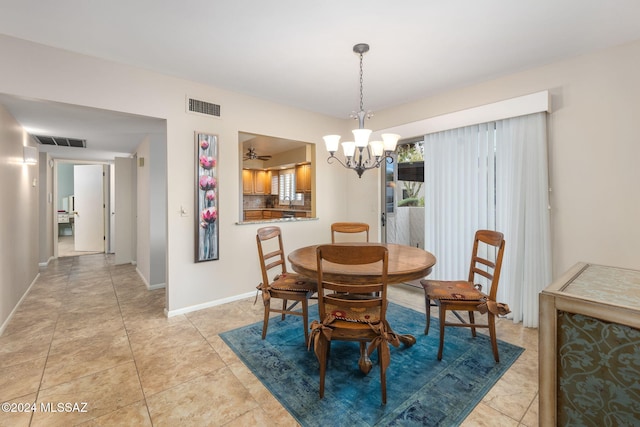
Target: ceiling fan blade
x,y
251,155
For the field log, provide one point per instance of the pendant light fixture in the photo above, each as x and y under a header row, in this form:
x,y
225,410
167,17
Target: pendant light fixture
x,y
354,151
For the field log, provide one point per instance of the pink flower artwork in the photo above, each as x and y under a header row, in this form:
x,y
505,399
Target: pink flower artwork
x,y
207,162
207,197
207,182
209,215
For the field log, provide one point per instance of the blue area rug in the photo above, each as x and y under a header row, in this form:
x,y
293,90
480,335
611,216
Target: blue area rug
x,y
420,390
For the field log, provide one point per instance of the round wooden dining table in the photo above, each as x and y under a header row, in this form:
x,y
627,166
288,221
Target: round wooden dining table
x,y
406,263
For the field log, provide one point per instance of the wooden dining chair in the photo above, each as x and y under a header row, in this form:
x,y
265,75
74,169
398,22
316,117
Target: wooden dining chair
x,y
467,295
353,311
289,287
350,228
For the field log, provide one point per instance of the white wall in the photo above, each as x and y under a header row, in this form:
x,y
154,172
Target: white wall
x,y
593,154
19,216
65,182
151,212
158,213
88,81
143,210
45,197
594,149
124,207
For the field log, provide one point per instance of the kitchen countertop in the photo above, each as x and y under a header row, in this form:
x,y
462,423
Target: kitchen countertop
x,y
277,209
264,221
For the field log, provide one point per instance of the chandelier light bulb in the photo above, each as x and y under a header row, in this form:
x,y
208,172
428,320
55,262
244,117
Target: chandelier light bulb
x,y
390,141
376,148
361,137
332,142
348,148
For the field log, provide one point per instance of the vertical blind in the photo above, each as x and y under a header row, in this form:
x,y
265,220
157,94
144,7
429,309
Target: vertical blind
x,y
491,176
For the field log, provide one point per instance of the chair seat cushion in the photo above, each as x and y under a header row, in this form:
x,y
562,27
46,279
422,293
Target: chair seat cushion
x,y
293,282
353,314
451,290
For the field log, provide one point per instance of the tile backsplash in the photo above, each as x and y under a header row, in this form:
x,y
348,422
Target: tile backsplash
x,y
263,201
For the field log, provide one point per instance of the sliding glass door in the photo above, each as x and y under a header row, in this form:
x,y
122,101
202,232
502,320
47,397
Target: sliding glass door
x,y
403,196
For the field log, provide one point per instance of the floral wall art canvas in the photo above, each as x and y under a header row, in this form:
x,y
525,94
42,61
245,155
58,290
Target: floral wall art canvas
x,y
206,197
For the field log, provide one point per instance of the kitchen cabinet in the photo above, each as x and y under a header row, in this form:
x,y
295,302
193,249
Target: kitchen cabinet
x,y
256,215
262,182
303,178
247,181
252,215
588,339
256,181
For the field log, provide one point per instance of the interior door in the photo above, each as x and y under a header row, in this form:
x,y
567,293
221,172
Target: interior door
x,y
89,208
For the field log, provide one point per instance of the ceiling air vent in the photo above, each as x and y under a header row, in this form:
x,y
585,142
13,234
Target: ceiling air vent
x,y
61,142
203,107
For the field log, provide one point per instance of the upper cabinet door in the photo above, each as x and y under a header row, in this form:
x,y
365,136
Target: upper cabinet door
x,y
256,181
260,185
247,181
303,178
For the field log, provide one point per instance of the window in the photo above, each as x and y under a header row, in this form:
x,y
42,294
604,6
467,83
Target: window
x,y
287,188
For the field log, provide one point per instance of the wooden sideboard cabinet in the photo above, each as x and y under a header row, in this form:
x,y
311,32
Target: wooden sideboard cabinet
x,y
589,348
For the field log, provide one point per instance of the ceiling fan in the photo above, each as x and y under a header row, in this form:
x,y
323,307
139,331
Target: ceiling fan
x,y
251,155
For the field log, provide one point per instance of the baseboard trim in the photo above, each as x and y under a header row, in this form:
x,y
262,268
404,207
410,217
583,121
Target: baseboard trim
x,y
209,304
45,264
147,285
13,312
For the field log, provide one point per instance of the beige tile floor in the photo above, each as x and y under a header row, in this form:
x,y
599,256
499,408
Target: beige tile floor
x,y
66,247
89,331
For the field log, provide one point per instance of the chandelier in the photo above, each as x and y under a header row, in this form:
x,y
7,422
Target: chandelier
x,y
354,151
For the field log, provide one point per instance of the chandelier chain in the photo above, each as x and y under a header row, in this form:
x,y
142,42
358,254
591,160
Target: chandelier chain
x,y
361,84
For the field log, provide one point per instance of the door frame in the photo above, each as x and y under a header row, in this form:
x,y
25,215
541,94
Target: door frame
x,y
89,208
384,215
105,196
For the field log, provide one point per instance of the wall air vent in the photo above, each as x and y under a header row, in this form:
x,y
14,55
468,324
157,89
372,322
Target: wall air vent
x,y
203,107
61,142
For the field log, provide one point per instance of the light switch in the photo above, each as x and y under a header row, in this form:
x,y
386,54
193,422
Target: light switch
x,y
183,211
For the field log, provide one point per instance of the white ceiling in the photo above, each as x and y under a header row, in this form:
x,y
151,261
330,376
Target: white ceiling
x,y
303,49
108,134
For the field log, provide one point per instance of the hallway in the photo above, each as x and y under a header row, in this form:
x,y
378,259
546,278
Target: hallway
x,y
90,332
66,247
